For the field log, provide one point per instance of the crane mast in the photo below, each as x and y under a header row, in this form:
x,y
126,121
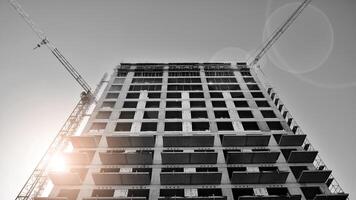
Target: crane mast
x,y
44,41
278,32
38,180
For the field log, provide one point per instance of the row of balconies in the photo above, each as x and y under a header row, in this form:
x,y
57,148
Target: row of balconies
x,y
232,156
246,193
198,140
191,176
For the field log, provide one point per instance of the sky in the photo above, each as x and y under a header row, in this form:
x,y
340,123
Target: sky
x,y
311,66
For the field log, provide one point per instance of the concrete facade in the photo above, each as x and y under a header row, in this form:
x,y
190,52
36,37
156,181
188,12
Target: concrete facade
x,y
190,131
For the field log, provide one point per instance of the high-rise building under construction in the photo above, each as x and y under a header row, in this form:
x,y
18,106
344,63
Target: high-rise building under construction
x,y
190,131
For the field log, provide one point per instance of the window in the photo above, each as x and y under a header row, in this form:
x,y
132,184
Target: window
x,y
221,114
138,193
154,95
268,114
108,104
224,87
257,95
209,192
225,126
148,87
262,104
173,169
171,193
152,104
184,87
219,73
237,95
250,126
133,95
218,104
115,88
249,80
206,169
121,73
238,192
196,95
123,126
130,104
184,80
198,114
173,126
245,73
119,80
241,104
147,80
98,126
200,126
112,95
173,104
174,95
173,114
127,115
268,169
103,115
245,114
182,73
253,87
197,104
103,193
275,125
149,126
216,95
150,115
221,80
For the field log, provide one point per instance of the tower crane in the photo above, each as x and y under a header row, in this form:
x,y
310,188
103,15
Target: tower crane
x,y
87,93
278,32
38,179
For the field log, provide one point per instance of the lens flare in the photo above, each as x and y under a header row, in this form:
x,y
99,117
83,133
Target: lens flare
x,y
58,163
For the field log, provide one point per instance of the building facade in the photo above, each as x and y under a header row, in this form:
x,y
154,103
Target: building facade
x,y
191,131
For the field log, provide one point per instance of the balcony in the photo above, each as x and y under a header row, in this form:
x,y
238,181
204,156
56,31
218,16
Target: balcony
x,y
90,141
189,157
271,197
245,140
128,158
130,141
65,178
201,140
271,193
304,175
238,157
299,156
266,175
192,194
78,158
123,176
171,176
331,197
289,140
